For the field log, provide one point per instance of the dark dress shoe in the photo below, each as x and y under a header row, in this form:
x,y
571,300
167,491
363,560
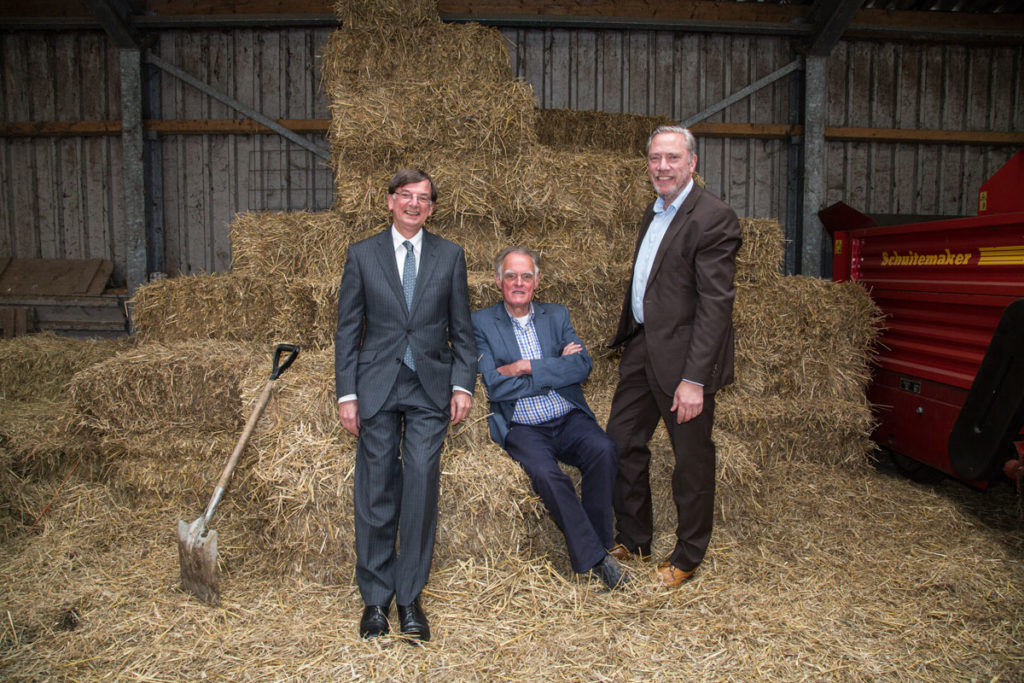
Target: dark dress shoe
x,y
414,621
611,573
374,622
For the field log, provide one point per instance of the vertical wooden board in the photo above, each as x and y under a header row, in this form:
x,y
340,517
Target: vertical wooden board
x,y
99,203
662,78
173,223
711,164
267,75
532,63
15,48
839,72
637,64
192,198
6,198
614,77
219,70
688,75
295,71
41,57
511,36
738,75
584,92
761,105
557,66
321,107
221,205
906,178
1006,77
714,69
244,77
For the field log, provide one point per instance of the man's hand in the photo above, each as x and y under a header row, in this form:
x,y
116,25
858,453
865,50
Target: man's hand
x,y
348,413
517,369
570,348
461,403
688,401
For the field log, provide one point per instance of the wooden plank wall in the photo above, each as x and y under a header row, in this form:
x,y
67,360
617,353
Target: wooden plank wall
x,y
207,178
61,197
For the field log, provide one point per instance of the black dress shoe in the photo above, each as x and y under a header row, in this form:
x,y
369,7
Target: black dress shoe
x,y
611,573
414,621
374,622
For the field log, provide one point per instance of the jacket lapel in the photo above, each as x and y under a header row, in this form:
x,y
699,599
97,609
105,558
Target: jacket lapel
x,y
506,334
428,264
389,264
674,228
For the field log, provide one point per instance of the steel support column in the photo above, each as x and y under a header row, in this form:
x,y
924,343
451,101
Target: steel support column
x,y
810,260
133,169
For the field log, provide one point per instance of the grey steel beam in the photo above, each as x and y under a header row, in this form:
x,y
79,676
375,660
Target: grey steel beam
x,y
745,92
814,161
133,169
830,19
115,16
237,106
904,32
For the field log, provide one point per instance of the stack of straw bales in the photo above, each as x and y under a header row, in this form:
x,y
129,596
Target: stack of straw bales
x,y
405,89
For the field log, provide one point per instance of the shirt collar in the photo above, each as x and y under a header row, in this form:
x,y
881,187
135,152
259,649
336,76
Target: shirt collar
x,y
515,319
659,203
399,240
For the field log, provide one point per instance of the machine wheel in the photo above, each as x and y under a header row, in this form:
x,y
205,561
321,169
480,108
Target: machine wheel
x,y
915,470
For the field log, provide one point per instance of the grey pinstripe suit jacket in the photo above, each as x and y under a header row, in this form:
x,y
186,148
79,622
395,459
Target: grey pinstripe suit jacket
x,y
374,325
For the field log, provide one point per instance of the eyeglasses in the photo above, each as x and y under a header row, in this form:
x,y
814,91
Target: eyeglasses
x,y
410,197
510,277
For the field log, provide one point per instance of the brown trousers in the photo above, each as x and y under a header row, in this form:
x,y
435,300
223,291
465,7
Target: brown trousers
x,y
637,406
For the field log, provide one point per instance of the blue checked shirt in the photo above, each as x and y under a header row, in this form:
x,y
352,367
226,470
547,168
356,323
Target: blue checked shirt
x,y
535,410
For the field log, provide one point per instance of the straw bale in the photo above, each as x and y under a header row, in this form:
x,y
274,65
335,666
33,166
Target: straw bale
x,y
296,245
229,307
40,365
369,14
804,337
355,58
302,479
389,123
574,130
760,256
189,386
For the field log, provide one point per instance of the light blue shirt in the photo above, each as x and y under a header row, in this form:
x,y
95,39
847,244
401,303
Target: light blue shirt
x,y
663,216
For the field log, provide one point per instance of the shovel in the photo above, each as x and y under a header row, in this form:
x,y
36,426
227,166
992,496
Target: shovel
x,y
197,545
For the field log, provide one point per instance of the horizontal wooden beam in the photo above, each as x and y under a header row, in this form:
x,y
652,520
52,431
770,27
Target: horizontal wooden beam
x,y
868,23
761,131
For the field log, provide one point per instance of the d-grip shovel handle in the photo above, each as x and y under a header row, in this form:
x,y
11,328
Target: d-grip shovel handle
x,y
293,353
261,403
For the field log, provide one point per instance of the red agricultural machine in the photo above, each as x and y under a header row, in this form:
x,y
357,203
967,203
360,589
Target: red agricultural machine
x,y
948,386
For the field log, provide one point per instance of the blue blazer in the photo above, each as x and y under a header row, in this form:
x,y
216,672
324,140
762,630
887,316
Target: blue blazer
x,y
496,345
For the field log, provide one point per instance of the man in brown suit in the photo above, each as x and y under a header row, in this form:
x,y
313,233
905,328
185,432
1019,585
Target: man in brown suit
x,y
677,339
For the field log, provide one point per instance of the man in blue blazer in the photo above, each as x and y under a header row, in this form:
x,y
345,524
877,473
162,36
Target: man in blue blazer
x,y
405,366
533,364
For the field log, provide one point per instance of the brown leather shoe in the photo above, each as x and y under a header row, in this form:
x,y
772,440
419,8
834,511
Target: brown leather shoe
x,y
671,576
623,554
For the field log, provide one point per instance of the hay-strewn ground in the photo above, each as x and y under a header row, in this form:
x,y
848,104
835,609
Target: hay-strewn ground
x,y
847,574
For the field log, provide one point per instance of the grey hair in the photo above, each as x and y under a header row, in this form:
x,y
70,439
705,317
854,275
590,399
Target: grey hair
x,y
500,258
688,139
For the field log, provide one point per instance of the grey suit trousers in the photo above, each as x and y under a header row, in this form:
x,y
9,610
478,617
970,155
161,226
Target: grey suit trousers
x,y
396,490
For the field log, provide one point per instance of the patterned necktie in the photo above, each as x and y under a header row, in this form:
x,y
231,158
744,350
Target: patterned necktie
x,y
409,286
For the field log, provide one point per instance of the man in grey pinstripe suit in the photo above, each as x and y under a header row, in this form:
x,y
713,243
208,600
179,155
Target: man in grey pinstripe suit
x,y
405,365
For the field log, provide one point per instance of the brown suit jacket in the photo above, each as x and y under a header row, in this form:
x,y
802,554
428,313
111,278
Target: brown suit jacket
x,y
689,296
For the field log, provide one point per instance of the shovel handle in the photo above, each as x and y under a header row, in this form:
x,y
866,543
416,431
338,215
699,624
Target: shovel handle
x,y
250,425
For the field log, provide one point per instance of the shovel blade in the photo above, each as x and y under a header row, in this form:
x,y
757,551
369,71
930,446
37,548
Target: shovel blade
x,y
197,555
